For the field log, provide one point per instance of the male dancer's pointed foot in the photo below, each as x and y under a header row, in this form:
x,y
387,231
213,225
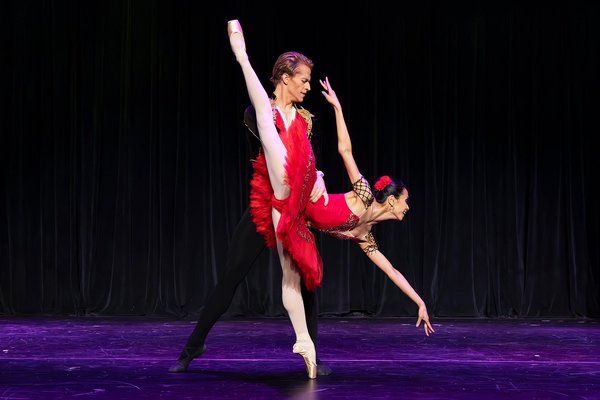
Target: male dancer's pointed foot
x,y
309,354
236,39
186,357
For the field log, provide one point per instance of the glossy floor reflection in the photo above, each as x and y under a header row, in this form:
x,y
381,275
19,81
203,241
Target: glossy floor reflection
x,y
128,358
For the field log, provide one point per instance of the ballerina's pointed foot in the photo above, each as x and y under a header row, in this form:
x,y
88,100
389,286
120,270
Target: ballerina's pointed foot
x,y
308,353
236,39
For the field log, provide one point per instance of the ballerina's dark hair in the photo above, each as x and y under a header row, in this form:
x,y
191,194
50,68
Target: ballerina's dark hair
x,y
386,186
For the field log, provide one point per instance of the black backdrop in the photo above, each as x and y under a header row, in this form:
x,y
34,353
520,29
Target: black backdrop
x,y
124,160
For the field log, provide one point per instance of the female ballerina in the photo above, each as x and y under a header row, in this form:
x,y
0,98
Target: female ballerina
x,y
283,174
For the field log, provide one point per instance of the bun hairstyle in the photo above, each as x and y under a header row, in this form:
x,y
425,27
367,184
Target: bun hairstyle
x,y
385,187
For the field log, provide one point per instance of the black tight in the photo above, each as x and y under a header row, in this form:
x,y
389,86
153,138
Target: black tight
x,y
244,248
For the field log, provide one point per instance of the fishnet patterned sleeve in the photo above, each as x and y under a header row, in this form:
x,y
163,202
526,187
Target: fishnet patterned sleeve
x,y
363,190
371,244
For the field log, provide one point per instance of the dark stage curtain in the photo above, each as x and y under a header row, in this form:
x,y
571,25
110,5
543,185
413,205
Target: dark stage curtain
x,y
125,161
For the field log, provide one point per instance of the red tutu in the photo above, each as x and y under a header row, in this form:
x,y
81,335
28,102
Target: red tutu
x,y
292,229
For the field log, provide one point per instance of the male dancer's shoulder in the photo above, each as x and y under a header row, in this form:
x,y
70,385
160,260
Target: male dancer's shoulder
x,y
250,120
309,118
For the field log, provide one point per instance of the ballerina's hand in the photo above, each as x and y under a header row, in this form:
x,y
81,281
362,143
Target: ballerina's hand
x,y
329,93
423,316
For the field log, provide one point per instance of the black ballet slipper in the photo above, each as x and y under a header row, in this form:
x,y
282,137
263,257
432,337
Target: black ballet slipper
x,y
322,369
186,357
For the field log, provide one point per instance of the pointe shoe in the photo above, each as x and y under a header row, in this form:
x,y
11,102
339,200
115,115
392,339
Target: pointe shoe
x,y
233,26
309,356
186,357
236,38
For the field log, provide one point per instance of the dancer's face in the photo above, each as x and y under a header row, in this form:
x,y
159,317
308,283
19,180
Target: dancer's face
x,y
298,85
401,206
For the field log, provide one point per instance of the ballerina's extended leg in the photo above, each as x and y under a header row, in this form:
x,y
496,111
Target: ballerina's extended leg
x,y
275,155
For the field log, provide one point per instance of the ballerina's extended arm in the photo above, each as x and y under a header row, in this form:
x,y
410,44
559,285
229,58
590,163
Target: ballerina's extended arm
x,y
344,142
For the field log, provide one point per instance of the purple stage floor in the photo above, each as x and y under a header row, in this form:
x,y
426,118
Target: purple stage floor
x,y
128,358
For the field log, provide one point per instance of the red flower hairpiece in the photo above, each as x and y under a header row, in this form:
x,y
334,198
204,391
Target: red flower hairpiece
x,y
382,183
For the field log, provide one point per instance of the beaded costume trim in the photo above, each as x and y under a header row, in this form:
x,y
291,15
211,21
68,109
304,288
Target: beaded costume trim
x,y
302,229
348,225
371,243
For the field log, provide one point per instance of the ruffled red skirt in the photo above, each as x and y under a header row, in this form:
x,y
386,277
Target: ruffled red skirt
x,y
292,229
